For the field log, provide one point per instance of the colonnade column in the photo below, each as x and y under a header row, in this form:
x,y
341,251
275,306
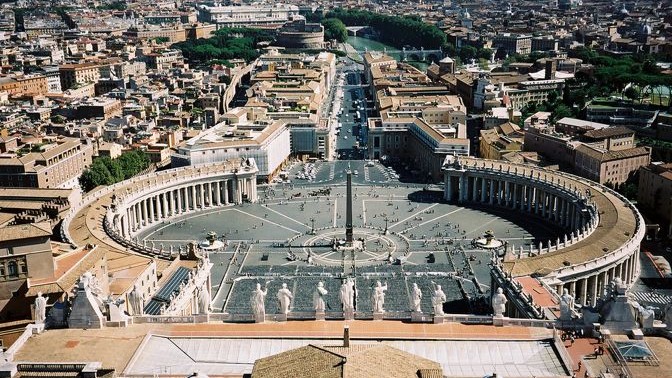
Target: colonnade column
x,y
144,212
218,195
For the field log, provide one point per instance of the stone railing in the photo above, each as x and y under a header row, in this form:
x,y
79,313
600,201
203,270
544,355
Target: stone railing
x,y
21,340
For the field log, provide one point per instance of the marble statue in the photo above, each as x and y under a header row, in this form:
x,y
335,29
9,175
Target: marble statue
x,y
416,298
257,302
438,297
645,315
284,299
668,316
566,305
499,303
40,308
378,297
347,295
204,305
135,301
318,297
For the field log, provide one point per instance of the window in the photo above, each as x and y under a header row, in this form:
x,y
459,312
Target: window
x,y
11,267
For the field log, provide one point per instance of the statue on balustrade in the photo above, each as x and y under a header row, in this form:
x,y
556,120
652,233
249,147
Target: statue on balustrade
x,y
416,298
257,302
566,305
378,297
285,298
204,305
347,295
499,303
668,316
438,297
318,297
40,308
135,301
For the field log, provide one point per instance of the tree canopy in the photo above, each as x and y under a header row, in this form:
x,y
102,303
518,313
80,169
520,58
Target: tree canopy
x,y
226,44
398,31
105,171
334,29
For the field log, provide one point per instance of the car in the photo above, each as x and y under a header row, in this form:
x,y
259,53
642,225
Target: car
x,y
356,172
369,164
345,137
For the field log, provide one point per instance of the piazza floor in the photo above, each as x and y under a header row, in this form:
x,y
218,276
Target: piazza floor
x,y
270,241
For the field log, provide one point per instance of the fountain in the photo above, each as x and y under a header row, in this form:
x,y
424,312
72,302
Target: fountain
x,y
210,243
488,241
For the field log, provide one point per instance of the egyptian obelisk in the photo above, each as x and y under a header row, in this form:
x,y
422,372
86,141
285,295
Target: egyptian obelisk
x,y
348,209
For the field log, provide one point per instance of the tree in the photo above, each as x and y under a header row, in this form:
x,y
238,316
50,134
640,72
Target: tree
x,y
334,29
484,53
105,171
467,53
561,111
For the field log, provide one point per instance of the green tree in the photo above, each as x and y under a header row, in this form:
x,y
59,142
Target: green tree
x,y
561,111
334,29
484,53
105,171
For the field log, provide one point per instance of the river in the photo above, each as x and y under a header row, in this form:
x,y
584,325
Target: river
x,y
361,43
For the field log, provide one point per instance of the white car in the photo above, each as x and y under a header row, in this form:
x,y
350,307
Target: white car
x,y
345,137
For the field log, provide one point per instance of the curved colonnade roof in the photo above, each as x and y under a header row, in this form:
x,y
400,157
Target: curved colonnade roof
x,y
86,227
617,222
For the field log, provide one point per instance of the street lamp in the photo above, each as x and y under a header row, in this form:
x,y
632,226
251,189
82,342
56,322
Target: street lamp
x,y
312,228
385,231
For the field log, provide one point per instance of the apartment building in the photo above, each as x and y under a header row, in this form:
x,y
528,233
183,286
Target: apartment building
x,y
59,165
655,192
74,75
264,16
33,85
604,155
513,43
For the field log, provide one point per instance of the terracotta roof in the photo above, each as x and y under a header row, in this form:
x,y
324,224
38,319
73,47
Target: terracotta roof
x,y
608,132
68,270
604,156
24,231
357,360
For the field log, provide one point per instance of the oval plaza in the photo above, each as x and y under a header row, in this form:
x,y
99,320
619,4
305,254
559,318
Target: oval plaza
x,y
597,239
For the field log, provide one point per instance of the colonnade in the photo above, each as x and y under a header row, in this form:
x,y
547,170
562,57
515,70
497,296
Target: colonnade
x,y
576,205
553,203
536,197
157,205
588,288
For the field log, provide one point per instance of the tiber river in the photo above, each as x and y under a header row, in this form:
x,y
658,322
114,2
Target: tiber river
x,y
361,43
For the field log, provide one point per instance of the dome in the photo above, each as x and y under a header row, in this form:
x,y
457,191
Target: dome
x,y
624,11
646,29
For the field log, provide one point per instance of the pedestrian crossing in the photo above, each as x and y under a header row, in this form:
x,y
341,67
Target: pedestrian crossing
x,y
647,297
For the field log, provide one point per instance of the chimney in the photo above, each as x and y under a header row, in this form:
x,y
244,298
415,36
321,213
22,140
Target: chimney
x,y
346,336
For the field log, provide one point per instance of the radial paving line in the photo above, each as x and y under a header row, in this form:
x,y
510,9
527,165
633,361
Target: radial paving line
x,y
440,216
266,220
413,215
286,216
